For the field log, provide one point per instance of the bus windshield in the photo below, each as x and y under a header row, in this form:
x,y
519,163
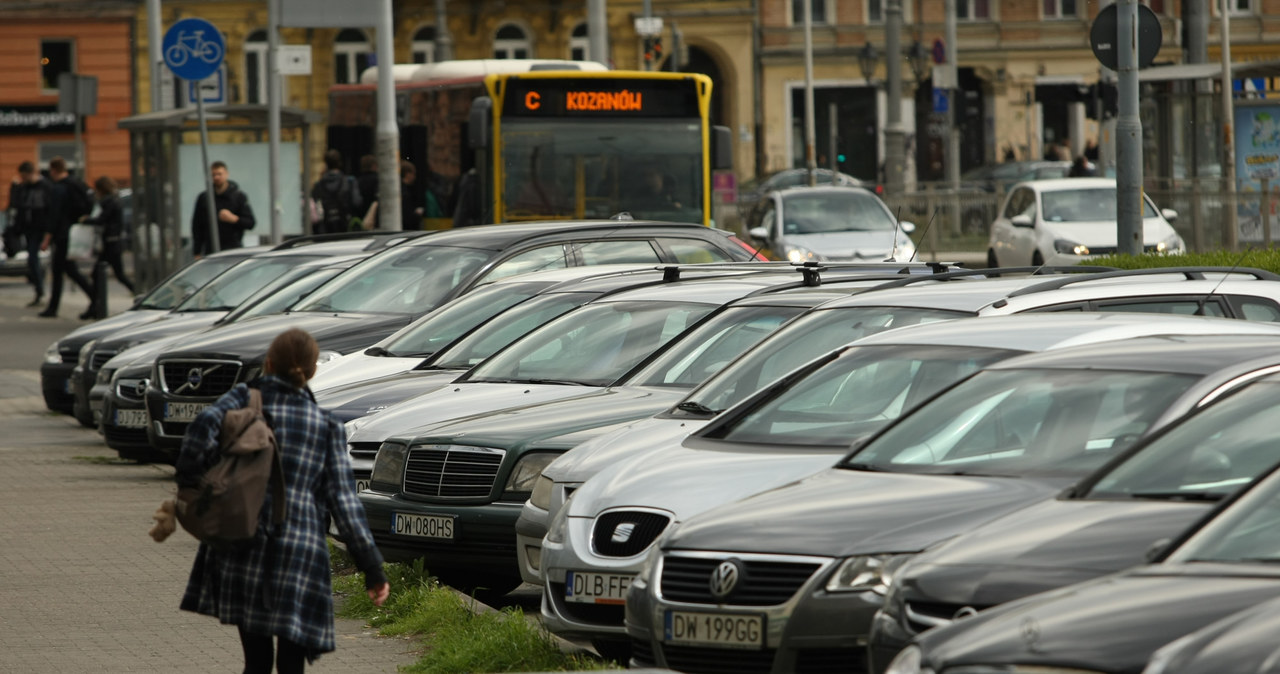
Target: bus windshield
x,y
576,168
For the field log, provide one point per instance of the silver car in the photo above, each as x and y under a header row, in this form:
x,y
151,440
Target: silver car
x,y
806,224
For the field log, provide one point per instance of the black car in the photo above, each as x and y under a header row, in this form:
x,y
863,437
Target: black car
x,y
1227,563
1108,522
388,291
1242,643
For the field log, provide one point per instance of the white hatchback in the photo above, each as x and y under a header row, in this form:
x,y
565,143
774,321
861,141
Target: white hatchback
x,y
1064,221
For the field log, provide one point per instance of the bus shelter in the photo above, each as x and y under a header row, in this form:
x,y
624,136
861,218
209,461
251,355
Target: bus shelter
x,y
167,175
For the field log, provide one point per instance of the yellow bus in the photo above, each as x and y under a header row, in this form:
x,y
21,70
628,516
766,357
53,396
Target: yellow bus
x,y
505,141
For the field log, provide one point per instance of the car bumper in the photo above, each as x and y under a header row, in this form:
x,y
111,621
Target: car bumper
x,y
163,433
483,535
130,441
55,384
887,638
531,527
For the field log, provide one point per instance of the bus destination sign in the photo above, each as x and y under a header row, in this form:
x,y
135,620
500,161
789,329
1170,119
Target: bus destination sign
x,y
595,97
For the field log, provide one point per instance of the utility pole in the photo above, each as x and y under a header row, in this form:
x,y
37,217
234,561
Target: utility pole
x,y
953,105
153,51
648,40
387,135
597,31
273,117
1128,132
1231,237
810,161
894,149
444,39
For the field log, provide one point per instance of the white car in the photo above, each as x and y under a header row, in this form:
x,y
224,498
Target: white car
x,y
1064,221
832,222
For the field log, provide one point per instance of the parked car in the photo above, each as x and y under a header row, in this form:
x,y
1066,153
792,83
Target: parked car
x,y
799,571
1110,521
1000,177
1243,642
388,291
1066,221
750,192
1222,566
804,224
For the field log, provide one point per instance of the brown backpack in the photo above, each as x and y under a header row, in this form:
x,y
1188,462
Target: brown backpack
x,y
222,509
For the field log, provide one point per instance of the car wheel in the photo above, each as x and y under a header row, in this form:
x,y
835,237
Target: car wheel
x,y
1037,260
483,586
613,649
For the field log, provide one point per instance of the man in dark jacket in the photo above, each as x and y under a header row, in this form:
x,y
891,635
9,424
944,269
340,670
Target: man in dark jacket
x,y
31,198
367,181
231,207
337,195
71,201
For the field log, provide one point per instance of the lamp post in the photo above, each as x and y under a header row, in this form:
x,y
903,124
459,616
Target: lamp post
x,y
867,58
918,58
894,135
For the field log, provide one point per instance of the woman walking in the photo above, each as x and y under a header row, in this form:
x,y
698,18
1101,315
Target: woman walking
x,y
111,219
277,586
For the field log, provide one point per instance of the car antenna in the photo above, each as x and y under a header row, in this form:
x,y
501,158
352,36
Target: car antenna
x,y
1204,300
922,234
897,227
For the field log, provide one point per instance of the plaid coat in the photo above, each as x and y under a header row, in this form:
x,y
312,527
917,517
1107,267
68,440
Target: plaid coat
x,y
279,584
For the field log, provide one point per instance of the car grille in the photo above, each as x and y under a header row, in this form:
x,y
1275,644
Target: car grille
x,y
1111,250
215,377
831,661
130,389
100,358
642,652
596,614
363,450
452,472
645,528
69,357
923,615
697,660
688,579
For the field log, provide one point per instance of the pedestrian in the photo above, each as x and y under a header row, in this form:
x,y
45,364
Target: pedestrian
x,y
231,207
71,201
1080,168
276,588
367,181
412,199
31,200
110,219
337,195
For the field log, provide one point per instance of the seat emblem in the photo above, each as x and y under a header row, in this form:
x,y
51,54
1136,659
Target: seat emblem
x,y
724,578
622,533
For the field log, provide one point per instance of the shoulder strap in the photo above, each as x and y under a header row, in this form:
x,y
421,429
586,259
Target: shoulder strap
x,y
277,467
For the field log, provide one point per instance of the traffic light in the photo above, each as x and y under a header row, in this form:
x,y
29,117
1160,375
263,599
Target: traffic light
x,y
657,49
648,49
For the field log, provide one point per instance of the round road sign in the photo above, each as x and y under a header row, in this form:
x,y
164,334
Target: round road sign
x,y
193,49
1106,44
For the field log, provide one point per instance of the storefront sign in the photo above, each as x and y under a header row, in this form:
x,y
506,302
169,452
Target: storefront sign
x,y
1257,137
24,119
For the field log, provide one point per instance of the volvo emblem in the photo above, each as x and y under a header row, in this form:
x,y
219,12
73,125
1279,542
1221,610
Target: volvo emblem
x,y
194,377
622,533
965,612
141,388
724,578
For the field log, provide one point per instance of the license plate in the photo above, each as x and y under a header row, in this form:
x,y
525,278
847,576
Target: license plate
x,y
425,526
131,418
726,630
596,588
183,411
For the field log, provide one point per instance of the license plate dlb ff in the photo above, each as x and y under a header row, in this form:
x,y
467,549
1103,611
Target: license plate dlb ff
x,y
596,588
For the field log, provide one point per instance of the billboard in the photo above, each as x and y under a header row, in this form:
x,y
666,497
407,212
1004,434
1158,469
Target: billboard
x,y
1257,139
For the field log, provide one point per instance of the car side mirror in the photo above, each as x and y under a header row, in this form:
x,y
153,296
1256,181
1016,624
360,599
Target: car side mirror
x,y
758,233
1169,214
1022,220
1156,549
907,227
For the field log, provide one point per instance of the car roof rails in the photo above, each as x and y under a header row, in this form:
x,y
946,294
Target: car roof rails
x,y
1188,273
1041,270
381,238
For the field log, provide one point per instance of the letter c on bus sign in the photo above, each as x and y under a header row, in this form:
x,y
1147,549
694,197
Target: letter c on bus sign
x,y
532,100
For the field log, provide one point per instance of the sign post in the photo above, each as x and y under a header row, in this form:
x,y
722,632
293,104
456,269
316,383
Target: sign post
x,y
193,49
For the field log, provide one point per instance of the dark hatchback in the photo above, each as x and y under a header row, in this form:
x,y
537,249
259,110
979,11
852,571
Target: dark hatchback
x,y
391,289
1227,563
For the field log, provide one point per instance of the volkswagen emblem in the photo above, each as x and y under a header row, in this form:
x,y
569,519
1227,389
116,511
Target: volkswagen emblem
x,y
965,612
725,577
194,377
1031,634
141,388
622,533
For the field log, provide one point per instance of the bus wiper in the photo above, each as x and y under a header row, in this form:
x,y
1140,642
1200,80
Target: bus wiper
x,y
694,407
1207,496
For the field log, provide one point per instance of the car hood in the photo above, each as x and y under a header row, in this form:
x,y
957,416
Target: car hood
x,y
166,326
1243,643
142,356
368,397
248,340
874,245
358,367
1103,233
457,400
595,455
107,326
1045,546
841,512
1112,624
519,426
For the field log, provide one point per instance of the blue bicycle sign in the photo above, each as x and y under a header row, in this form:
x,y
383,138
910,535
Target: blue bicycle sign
x,y
193,49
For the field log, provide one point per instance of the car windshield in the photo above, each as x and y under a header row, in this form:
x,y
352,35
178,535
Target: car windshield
x,y
440,327
1247,531
177,287
854,395
593,345
1024,422
402,280
506,328
712,345
1209,456
1084,205
277,297
835,211
233,286
798,342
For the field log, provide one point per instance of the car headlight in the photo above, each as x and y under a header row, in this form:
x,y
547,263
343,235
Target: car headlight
x,y
388,466
541,496
326,356
556,530
52,355
865,573
527,471
908,662
105,375
86,352
1068,247
797,254
1171,246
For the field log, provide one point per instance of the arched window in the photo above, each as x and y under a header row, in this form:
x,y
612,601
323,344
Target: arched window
x,y
579,46
511,42
255,67
424,45
350,56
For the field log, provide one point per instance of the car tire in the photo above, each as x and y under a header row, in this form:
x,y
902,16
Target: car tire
x,y
617,650
1037,260
483,586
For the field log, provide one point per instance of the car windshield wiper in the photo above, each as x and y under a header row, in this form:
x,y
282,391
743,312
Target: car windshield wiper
x,y
376,352
560,382
1257,560
216,308
869,467
1178,495
694,407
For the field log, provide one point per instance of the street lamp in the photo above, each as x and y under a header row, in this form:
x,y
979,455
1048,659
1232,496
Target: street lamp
x,y
918,57
867,58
